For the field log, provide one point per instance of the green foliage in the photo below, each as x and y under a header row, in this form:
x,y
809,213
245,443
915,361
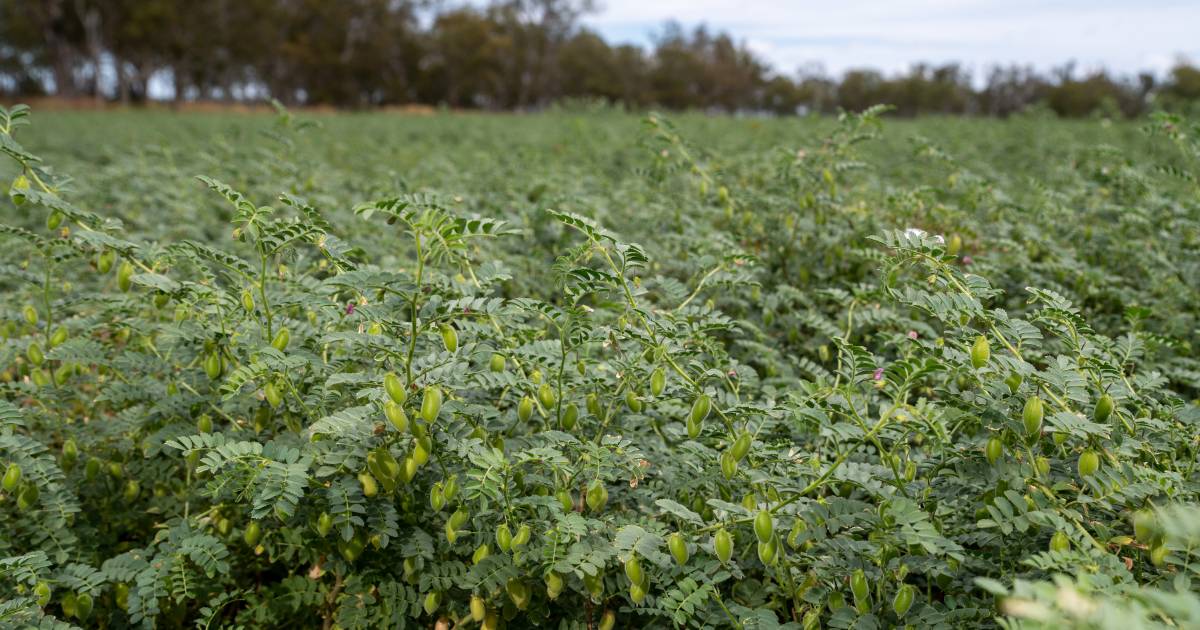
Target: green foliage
x,y
699,337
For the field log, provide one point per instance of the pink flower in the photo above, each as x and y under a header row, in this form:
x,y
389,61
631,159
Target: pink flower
x,y
349,308
879,374
966,260
912,334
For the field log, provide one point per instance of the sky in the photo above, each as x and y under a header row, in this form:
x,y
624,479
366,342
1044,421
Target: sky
x,y
1124,36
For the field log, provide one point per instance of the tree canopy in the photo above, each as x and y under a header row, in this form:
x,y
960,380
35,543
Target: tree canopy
x,y
508,54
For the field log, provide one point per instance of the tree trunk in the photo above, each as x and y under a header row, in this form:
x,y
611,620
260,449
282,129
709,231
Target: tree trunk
x,y
122,80
59,49
93,41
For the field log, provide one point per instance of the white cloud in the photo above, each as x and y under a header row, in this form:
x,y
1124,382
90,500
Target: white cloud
x,y
1125,36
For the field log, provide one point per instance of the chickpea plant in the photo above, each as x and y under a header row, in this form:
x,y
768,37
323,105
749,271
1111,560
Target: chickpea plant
x,y
284,428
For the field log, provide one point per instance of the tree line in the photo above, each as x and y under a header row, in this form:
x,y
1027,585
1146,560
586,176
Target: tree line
x,y
509,54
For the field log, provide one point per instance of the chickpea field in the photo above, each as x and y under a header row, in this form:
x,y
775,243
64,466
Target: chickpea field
x,y
586,369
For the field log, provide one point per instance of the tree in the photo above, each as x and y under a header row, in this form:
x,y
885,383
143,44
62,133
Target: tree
x,y
505,54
